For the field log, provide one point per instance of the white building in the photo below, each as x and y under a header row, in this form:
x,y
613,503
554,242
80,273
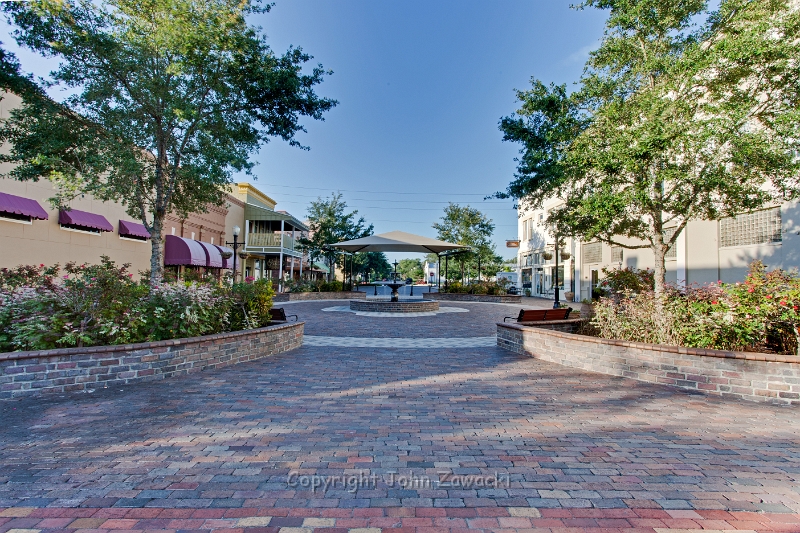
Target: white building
x,y
705,252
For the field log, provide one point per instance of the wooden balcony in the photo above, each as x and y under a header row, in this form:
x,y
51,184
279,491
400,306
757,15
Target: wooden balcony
x,y
269,240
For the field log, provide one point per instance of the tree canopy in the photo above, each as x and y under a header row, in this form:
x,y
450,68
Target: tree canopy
x,y
329,223
468,226
410,268
671,122
167,100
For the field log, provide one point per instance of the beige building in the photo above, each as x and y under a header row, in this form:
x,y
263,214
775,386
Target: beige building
x,y
705,252
268,237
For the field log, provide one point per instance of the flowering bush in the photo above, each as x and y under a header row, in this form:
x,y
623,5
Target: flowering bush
x,y
102,305
759,314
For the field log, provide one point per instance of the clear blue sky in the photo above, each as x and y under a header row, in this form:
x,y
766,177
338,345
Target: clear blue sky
x,y
421,87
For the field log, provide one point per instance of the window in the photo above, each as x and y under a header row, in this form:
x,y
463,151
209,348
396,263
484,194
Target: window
x,y
15,217
672,253
592,252
758,227
524,230
173,231
192,235
616,254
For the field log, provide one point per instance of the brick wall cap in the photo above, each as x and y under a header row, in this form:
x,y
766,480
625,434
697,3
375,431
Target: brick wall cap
x,y
722,354
10,356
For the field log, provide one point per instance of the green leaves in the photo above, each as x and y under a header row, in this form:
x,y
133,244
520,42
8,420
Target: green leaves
x,y
329,223
169,98
673,121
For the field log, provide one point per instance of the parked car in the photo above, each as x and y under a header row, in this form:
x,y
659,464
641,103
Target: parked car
x,y
409,281
512,290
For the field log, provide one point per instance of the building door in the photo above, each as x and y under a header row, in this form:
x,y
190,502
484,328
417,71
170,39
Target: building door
x,y
595,282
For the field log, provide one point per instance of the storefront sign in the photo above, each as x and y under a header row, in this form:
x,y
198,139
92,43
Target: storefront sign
x,y
512,244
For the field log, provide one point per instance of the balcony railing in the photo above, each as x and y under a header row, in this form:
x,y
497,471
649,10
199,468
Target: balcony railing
x,y
264,240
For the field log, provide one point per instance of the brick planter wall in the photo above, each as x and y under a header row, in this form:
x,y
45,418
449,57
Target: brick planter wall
x,y
386,306
456,297
75,369
751,376
300,296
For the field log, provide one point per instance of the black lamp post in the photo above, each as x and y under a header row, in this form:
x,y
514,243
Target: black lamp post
x,y
556,303
235,245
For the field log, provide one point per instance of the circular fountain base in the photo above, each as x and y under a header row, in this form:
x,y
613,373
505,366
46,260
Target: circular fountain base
x,y
387,306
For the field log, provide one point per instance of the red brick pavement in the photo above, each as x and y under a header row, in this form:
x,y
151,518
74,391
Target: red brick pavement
x,y
571,451
412,519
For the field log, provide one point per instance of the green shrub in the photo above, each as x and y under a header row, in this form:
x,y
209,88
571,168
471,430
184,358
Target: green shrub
x,y
759,314
102,305
251,303
627,280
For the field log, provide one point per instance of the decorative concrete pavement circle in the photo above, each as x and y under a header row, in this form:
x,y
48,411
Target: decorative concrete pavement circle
x,y
346,309
367,342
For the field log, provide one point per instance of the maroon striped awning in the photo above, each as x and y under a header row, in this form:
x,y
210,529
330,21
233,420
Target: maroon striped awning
x,y
180,251
17,205
227,262
133,229
213,256
73,217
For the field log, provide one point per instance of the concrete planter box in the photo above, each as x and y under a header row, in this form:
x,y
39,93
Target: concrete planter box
x,y
302,296
460,297
751,376
76,369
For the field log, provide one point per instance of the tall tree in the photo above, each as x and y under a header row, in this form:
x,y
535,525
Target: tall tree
x,y
372,262
168,99
329,223
653,138
410,268
467,226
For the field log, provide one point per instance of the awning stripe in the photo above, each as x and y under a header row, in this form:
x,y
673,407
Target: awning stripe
x,y
213,255
17,205
180,251
227,262
73,217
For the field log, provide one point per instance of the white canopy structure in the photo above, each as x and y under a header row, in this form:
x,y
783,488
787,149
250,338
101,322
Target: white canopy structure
x,y
397,241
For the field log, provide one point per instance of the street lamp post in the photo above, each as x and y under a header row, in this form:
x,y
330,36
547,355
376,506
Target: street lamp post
x,y
556,303
235,245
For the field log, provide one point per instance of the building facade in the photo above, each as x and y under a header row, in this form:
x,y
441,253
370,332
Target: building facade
x,y
705,252
269,237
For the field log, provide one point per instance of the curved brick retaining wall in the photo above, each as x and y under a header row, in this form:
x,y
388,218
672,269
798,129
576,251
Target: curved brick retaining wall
x,y
299,296
751,376
75,369
386,306
460,297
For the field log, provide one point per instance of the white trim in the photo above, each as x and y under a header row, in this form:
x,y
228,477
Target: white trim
x,y
86,232
26,222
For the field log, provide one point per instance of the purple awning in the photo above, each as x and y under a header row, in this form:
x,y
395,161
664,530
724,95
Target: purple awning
x,y
227,262
17,205
213,257
180,251
133,229
73,217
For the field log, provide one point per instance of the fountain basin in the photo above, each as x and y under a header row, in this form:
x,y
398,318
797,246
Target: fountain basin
x,y
399,306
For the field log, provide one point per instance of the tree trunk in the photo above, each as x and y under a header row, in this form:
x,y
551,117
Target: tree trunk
x,y
660,274
156,254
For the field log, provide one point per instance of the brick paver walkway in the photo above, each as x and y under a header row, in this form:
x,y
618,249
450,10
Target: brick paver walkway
x,y
406,440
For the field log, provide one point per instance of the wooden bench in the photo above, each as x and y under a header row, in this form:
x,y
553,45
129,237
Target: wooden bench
x,y
538,315
278,314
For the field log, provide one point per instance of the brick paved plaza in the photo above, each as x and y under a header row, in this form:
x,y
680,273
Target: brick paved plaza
x,y
411,439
